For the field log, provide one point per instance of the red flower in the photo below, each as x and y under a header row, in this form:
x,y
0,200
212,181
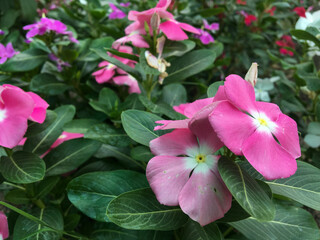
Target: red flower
x,y
286,41
300,11
249,19
271,11
241,2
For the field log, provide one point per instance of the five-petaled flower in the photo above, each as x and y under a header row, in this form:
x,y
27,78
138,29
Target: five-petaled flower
x,y
6,52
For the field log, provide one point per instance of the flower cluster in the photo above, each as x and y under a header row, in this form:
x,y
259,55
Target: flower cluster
x,y
152,17
6,52
108,71
46,25
204,36
185,164
286,42
16,108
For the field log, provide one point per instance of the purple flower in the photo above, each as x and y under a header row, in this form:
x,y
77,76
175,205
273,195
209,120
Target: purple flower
x,y
45,25
6,52
1,32
212,27
204,37
116,12
59,62
125,4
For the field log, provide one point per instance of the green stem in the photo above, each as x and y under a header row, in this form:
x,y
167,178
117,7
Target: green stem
x,y
39,203
14,185
8,151
229,230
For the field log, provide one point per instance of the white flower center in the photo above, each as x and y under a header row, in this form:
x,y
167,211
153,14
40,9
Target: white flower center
x,y
263,123
2,114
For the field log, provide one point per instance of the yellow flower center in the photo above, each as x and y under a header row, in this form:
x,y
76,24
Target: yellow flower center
x,y
200,158
262,122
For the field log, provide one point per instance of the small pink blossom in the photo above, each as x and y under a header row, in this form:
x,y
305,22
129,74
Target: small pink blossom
x,y
4,229
116,12
204,37
60,63
185,172
65,136
286,41
2,32
241,2
248,127
129,81
212,27
125,4
301,11
6,52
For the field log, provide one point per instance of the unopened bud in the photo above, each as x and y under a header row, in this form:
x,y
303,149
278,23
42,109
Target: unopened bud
x,y
155,21
160,45
252,74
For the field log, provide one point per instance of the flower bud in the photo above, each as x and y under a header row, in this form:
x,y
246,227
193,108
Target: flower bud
x,y
155,22
252,74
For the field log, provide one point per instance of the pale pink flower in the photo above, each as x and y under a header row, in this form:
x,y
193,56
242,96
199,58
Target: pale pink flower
x,y
185,172
116,12
6,52
106,72
4,229
258,130
16,107
129,81
40,106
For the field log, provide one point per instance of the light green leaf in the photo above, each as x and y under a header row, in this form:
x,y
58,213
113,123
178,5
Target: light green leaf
x,y
213,88
79,125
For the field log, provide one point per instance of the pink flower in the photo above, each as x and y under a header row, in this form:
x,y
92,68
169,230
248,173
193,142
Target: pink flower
x,y
258,130
4,229
125,4
212,26
128,80
2,32
241,2
300,11
249,19
6,52
60,63
286,41
135,38
204,37
271,11
185,172
45,25
106,73
39,107
65,136
116,12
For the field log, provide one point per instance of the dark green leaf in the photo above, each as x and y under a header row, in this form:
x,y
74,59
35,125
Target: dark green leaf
x,y
213,88
177,48
174,94
193,231
304,35
47,84
79,125
35,128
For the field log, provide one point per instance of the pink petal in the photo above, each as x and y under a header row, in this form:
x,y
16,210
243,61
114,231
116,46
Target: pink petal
x,y
205,198
189,109
270,109
240,93
103,64
11,135
202,128
4,229
268,157
175,143
220,95
287,135
163,4
32,33
105,75
173,31
40,108
167,175
3,60
232,126
170,124
189,28
65,136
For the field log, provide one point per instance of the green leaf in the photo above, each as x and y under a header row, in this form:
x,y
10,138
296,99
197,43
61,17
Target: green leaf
x,y
102,53
35,128
79,125
139,126
92,192
22,167
174,94
190,64
177,48
41,142
29,9
140,210
141,153
211,12
123,55
289,223
17,196
213,88
28,229
47,84
246,190
193,231
312,140
236,213
25,61
304,35
70,155
108,135
100,43
108,101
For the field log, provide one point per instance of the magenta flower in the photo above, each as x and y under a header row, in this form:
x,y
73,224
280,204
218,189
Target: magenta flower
x,y
46,25
59,62
4,229
6,52
185,172
106,73
116,12
129,81
204,37
65,136
125,4
2,32
258,130
135,38
212,27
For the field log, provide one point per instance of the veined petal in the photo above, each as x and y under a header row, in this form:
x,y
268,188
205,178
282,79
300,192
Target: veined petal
x,y
240,93
178,142
205,198
232,126
167,175
268,157
189,109
170,124
287,135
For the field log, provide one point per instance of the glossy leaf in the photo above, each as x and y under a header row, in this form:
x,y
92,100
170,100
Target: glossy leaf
x,y
174,94
193,231
48,84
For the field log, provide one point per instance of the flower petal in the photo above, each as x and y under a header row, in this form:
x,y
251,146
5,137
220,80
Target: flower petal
x,y
167,175
11,135
205,198
240,93
270,109
173,31
4,229
268,157
169,124
189,109
40,109
178,142
232,126
287,135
